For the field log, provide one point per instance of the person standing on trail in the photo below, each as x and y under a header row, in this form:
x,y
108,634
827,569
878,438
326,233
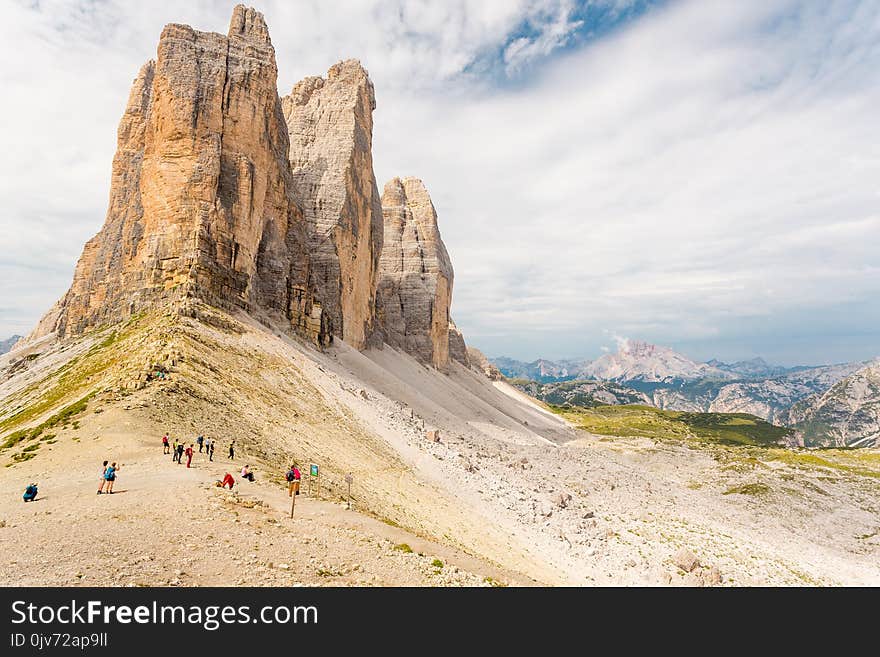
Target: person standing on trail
x,y
165,446
201,441
174,450
189,455
110,476
179,453
102,479
293,477
211,451
232,450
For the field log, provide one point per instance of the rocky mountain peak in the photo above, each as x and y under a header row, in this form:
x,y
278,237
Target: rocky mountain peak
x,y
225,193
201,203
248,23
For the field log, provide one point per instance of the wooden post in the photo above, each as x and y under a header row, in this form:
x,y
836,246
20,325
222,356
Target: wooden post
x,y
348,479
292,503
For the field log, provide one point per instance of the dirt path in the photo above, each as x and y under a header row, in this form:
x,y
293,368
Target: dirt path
x,y
169,525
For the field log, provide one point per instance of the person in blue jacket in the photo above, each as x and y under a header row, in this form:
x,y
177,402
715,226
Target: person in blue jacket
x,y
30,493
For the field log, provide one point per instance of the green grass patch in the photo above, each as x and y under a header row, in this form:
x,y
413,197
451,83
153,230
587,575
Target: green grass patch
x,y
649,422
62,417
403,547
857,462
437,564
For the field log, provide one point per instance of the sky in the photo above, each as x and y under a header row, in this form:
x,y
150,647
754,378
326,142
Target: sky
x,y
699,174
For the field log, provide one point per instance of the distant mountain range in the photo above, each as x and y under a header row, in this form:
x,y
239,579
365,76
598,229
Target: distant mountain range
x,y
830,405
8,344
847,413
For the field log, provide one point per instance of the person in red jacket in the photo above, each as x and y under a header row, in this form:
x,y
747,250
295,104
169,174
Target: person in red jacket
x,y
189,455
227,481
165,447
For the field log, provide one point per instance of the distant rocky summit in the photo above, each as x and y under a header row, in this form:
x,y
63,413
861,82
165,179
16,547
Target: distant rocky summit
x,y
8,344
224,193
640,361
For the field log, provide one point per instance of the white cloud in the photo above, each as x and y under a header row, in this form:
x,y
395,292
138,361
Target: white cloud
x,y
703,175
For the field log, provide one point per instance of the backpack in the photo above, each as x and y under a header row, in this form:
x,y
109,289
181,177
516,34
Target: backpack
x,y
290,476
109,473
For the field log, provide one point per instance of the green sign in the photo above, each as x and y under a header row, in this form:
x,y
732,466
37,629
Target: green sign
x,y
314,470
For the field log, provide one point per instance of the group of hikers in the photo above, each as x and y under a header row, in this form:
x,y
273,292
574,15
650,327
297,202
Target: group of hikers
x,y
179,449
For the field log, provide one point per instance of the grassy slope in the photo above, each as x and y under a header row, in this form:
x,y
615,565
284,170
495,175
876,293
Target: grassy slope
x,y
650,422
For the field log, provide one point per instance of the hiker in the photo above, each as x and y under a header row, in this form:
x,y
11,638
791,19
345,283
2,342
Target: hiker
x,y
174,451
189,455
180,453
101,478
232,450
211,452
110,476
227,481
293,477
165,446
30,493
201,441
247,474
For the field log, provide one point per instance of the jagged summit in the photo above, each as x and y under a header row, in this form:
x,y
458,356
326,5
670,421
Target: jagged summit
x,y
248,23
223,192
201,200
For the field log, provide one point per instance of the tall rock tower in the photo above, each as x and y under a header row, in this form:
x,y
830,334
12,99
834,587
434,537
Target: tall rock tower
x,y
416,277
201,199
330,123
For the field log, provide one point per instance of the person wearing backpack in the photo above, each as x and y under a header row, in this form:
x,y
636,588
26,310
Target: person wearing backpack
x,y
174,450
293,477
30,493
110,476
201,441
165,446
103,481
179,453
211,451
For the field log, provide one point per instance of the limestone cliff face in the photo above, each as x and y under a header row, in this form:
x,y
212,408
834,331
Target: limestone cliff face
x,y
201,200
416,277
225,193
330,124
